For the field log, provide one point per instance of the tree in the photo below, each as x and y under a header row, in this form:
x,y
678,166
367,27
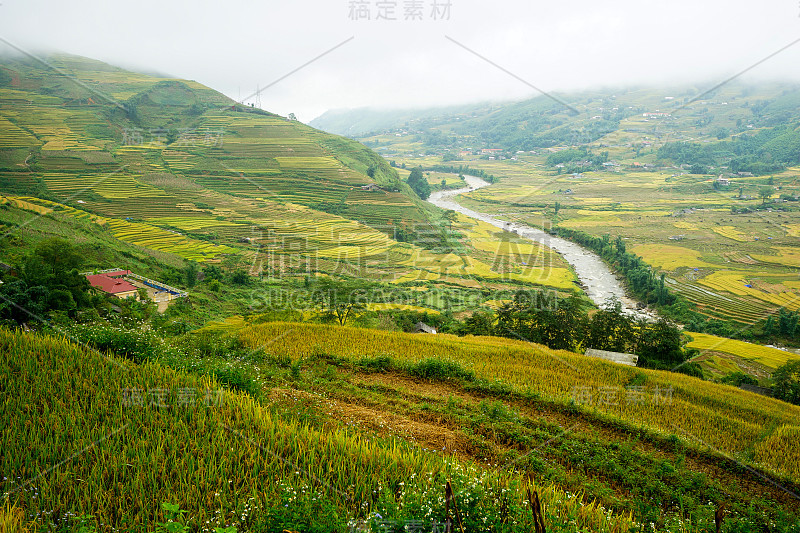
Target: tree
x,y
787,382
479,323
292,116
419,184
46,280
769,327
450,216
660,345
610,328
787,322
765,193
341,300
190,274
212,272
59,255
21,303
543,318
697,169
240,277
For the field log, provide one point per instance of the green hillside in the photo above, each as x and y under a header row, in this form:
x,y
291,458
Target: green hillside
x,y
323,428
94,133
682,113
172,167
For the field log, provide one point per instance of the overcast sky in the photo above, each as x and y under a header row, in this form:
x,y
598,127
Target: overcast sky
x,y
235,46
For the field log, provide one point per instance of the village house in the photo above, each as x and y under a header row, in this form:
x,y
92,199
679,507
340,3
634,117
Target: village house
x,y
114,283
125,284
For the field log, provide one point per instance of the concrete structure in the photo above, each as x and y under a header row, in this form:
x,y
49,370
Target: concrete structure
x,y
758,390
422,327
615,357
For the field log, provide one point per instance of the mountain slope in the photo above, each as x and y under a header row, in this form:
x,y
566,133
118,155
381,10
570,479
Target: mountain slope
x,y
126,144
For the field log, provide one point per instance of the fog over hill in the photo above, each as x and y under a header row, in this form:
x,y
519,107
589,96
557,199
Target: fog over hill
x,y
309,57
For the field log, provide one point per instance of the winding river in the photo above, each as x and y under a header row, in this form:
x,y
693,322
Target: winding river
x,y
597,279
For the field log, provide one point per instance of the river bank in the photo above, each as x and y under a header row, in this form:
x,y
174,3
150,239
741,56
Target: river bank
x,y
596,278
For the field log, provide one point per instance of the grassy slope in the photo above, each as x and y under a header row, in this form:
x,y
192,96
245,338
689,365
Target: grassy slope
x,y
227,460
724,417
330,396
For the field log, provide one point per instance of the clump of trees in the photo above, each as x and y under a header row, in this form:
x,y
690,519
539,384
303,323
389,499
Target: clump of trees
x,y
785,326
642,280
563,324
462,170
419,184
46,280
787,382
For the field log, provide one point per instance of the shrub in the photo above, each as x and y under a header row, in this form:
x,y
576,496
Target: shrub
x,y
739,378
135,344
691,369
437,369
379,363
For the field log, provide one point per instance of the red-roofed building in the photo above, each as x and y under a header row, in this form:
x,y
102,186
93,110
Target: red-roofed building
x,y
112,283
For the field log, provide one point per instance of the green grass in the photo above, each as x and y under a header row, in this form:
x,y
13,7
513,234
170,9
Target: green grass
x,y
222,456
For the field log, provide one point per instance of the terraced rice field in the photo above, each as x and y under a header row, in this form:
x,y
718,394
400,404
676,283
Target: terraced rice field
x,y
24,203
736,282
166,241
400,307
730,232
51,125
669,257
724,417
723,305
784,255
114,185
769,357
510,258
12,136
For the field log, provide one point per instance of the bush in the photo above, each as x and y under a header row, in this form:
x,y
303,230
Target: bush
x,y
440,370
739,378
379,363
691,369
135,344
237,379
